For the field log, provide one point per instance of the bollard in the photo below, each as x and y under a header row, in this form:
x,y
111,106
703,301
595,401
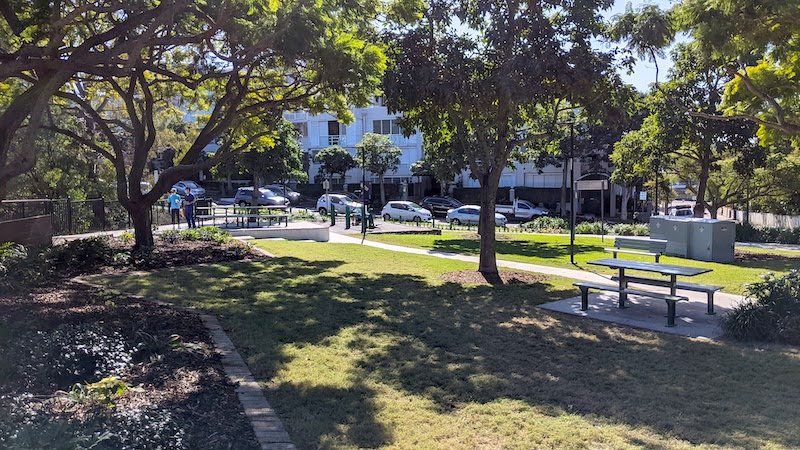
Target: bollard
x,y
333,217
371,220
347,217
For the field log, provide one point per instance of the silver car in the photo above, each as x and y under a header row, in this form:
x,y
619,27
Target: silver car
x,y
470,215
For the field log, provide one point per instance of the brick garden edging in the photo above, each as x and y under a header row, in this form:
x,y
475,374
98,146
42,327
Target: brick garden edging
x,y
268,428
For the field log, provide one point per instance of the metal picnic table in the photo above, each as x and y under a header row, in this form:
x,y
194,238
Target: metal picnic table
x,y
671,270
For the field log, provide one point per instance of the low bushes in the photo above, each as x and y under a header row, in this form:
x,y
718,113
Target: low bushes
x,y
560,225
547,225
749,233
212,234
80,255
770,312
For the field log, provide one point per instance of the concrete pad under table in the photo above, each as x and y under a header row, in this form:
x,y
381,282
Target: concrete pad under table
x,y
648,313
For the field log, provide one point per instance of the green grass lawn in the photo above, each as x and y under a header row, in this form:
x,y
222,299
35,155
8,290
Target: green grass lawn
x,y
553,250
360,347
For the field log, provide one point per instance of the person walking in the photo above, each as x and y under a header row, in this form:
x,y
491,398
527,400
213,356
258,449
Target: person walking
x,y
188,208
174,201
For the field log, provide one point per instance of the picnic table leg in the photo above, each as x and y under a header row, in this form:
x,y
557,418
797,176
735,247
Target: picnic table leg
x,y
584,298
673,280
623,284
670,313
710,311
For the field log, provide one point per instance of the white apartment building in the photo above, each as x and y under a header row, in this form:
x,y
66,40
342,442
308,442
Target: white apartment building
x,y
323,130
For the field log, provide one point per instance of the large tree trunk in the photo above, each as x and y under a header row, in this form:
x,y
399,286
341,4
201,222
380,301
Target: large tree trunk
x,y
702,185
383,192
626,196
487,264
142,225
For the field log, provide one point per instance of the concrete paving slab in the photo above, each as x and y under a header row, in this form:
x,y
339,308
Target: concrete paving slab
x,y
651,314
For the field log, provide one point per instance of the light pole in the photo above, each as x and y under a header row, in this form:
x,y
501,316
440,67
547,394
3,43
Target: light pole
x,y
573,192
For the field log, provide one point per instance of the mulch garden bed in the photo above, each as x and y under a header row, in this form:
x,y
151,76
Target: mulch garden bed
x,y
57,340
475,277
83,368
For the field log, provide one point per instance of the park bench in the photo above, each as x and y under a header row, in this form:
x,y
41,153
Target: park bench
x,y
671,300
639,246
708,289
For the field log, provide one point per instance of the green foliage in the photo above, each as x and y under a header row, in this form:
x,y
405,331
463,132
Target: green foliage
x,y
547,225
80,255
631,229
104,392
377,153
771,311
592,228
11,254
749,233
203,234
334,160
126,237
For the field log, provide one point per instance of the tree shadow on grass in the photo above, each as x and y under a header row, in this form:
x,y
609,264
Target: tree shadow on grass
x,y
513,247
456,345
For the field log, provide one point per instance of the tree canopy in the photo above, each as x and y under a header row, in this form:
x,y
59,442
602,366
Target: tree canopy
x,y
482,80
377,154
334,160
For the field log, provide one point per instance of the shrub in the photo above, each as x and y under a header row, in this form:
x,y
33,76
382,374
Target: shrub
x,y
547,225
770,312
126,238
204,234
749,233
592,228
80,254
170,236
10,255
104,392
631,229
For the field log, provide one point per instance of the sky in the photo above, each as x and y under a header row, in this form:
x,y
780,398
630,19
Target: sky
x,y
644,73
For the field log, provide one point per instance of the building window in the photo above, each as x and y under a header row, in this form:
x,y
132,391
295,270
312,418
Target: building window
x,y
386,127
335,128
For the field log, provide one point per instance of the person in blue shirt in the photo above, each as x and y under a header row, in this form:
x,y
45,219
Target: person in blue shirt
x,y
174,201
188,208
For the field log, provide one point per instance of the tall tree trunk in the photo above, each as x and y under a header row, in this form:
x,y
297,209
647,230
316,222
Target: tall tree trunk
x,y
487,264
383,192
142,225
442,188
702,184
626,195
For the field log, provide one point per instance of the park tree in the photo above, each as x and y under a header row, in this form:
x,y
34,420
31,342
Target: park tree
x,y
442,169
755,43
378,154
334,160
44,45
238,65
485,79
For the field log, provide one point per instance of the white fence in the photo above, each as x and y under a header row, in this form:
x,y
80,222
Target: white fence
x,y
762,220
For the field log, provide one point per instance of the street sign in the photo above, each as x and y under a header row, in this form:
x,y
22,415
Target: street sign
x,y
591,185
642,195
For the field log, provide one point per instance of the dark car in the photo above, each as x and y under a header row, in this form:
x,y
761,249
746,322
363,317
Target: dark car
x,y
284,191
244,197
440,205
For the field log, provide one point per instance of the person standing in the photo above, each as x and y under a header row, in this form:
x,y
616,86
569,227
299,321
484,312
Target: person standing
x,y
174,201
188,208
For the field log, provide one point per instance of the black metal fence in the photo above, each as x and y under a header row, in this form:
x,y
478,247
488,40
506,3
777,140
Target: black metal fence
x,y
79,216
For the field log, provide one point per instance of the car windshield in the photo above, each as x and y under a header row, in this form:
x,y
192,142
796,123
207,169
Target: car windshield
x,y
267,192
416,207
190,184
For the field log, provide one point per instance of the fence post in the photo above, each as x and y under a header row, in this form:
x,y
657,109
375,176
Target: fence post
x,y
69,214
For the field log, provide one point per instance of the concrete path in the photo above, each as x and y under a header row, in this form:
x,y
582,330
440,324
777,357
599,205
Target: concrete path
x,y
643,313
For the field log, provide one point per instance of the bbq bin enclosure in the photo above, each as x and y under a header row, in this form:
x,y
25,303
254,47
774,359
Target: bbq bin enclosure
x,y
700,239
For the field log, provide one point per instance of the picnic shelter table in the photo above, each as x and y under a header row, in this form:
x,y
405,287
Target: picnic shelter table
x,y
670,270
244,214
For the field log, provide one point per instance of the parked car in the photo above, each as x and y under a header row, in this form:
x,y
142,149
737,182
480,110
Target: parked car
x,y
339,202
681,211
196,189
285,191
244,197
522,209
470,214
440,205
402,210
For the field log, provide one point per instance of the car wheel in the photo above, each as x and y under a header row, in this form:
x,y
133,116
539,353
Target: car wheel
x,y
322,211
387,217
455,222
417,219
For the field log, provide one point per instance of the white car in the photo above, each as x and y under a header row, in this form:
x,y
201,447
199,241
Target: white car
x,y
338,202
470,215
405,211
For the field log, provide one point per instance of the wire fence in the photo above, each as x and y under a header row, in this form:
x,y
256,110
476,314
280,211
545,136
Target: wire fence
x,y
80,216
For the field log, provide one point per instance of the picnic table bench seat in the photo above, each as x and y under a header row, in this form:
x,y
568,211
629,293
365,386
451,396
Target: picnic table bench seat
x,y
671,300
695,287
639,246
